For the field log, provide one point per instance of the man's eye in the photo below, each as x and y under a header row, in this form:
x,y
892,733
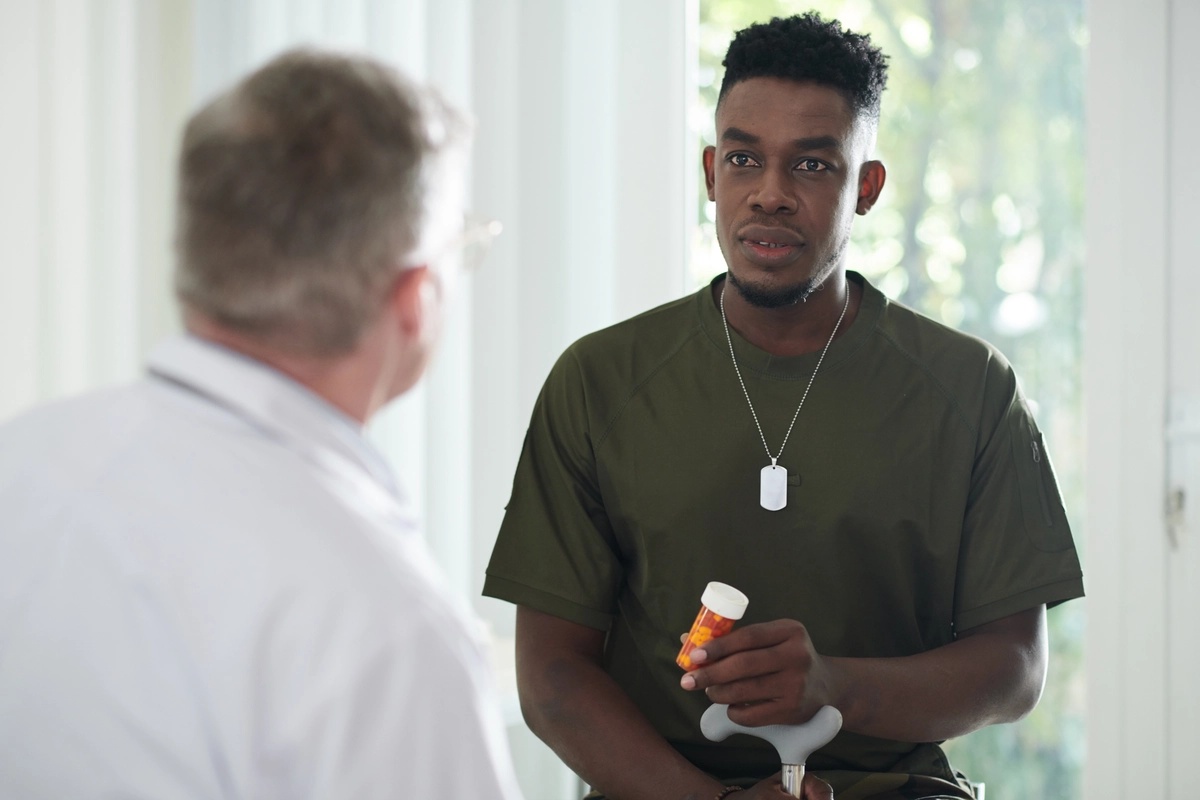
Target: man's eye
x,y
741,160
811,165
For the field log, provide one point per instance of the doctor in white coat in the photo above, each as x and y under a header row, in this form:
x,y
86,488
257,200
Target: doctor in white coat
x,y
210,584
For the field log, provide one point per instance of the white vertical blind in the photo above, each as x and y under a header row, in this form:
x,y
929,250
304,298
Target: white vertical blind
x,y
114,197
69,126
88,104
163,40
580,152
655,158
445,459
500,384
21,157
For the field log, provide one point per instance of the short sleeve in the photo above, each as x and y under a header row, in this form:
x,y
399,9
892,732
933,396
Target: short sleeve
x,y
1017,551
555,551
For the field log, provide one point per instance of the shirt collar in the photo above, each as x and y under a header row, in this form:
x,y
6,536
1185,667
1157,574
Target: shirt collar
x,y
791,368
271,401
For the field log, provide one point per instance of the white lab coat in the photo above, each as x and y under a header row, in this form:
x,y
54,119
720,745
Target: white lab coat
x,y
210,587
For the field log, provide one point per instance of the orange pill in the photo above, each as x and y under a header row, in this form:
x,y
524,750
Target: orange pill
x,y
720,606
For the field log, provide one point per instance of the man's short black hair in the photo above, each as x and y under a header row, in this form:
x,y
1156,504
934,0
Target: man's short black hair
x,y
807,47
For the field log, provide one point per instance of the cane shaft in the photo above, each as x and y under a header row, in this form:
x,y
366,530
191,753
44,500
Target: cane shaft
x,y
793,777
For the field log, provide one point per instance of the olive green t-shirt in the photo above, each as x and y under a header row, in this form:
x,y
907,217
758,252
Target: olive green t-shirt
x,y
921,502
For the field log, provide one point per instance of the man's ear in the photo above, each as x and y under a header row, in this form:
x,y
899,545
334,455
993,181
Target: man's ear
x,y
413,300
710,157
871,177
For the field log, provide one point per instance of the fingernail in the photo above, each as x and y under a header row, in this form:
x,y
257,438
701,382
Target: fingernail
x,y
699,655
687,682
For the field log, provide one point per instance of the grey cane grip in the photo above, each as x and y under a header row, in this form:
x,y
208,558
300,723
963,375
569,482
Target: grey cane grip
x,y
795,743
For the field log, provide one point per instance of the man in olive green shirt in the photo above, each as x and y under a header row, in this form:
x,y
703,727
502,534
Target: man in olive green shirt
x,y
872,480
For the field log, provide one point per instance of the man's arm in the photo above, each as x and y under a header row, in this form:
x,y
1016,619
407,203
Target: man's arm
x,y
992,673
573,705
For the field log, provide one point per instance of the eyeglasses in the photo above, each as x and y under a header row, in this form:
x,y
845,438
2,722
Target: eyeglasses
x,y
475,240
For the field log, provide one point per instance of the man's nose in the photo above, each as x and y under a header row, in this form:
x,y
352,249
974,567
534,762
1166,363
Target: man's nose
x,y
774,193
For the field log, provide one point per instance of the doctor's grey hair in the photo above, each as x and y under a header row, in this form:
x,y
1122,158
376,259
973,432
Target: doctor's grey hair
x,y
302,190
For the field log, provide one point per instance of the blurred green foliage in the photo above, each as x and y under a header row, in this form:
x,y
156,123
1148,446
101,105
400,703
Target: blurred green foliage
x,y
980,226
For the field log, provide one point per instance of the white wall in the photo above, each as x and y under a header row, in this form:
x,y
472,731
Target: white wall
x,y
1142,371
1183,409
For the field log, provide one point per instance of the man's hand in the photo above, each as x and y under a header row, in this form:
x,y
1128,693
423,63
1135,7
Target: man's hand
x,y
813,788
768,674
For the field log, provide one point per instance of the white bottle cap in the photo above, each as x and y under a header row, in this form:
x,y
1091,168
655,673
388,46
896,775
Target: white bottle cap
x,y
723,599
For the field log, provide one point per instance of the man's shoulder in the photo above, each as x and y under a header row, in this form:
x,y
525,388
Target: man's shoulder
x,y
970,374
621,356
72,436
69,410
950,356
155,476
925,337
148,456
659,330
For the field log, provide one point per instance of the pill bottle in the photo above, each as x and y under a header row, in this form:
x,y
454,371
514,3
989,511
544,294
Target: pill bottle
x,y
720,606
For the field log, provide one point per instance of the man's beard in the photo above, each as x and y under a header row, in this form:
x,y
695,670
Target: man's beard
x,y
779,297
763,297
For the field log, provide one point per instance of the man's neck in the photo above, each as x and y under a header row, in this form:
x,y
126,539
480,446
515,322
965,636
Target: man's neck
x,y
793,330
340,381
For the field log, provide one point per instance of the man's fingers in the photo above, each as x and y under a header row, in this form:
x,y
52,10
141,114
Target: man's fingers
x,y
756,715
737,667
754,637
816,789
750,690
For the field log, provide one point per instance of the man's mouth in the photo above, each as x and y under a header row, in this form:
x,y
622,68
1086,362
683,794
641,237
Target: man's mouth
x,y
769,244
767,251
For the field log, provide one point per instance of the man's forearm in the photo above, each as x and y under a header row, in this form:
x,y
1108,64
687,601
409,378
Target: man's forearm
x,y
576,708
993,675
581,713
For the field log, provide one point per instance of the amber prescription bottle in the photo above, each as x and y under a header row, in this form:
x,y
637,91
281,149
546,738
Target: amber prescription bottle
x,y
720,606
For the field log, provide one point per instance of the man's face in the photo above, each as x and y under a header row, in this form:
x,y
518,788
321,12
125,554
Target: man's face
x,y
787,175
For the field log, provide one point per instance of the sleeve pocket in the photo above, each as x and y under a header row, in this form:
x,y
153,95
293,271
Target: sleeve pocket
x,y
1041,505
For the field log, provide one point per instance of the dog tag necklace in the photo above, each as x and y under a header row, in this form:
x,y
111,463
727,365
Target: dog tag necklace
x,y
772,490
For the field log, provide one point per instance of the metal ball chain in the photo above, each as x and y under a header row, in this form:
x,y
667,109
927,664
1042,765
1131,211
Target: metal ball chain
x,y
729,341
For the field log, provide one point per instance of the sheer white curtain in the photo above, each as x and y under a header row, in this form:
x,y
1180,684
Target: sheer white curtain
x,y
93,94
581,152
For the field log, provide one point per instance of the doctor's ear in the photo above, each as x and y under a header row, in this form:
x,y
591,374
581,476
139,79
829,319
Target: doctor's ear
x,y
414,299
